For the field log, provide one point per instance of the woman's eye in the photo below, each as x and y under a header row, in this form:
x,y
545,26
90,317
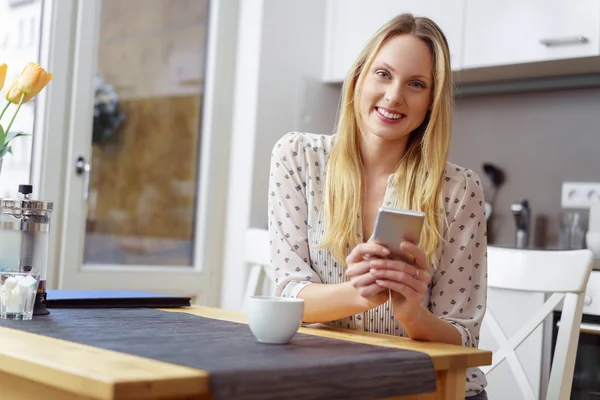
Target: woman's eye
x,y
383,74
418,84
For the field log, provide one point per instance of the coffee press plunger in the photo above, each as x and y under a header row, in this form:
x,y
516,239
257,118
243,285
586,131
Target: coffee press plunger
x,y
24,239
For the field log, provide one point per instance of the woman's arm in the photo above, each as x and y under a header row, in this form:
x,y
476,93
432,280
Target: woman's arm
x,y
287,219
458,289
459,286
288,232
409,285
423,325
324,303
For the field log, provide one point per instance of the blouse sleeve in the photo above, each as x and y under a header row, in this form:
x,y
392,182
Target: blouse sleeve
x,y
288,218
459,286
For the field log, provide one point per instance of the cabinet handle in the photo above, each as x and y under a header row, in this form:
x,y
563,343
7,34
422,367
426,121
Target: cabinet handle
x,y
590,328
593,329
566,41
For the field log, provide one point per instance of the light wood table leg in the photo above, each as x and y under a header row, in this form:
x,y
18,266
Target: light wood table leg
x,y
450,386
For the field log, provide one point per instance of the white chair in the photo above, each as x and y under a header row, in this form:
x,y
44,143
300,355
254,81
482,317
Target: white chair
x,y
562,273
258,256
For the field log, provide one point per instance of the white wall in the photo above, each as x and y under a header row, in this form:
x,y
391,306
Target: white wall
x,y
280,56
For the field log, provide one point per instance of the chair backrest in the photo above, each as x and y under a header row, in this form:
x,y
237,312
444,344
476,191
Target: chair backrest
x,y
563,273
257,254
257,247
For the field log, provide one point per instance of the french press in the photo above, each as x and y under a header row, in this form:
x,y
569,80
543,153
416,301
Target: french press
x,y
24,239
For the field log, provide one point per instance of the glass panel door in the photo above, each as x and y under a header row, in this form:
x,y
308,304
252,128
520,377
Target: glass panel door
x,y
146,132
146,128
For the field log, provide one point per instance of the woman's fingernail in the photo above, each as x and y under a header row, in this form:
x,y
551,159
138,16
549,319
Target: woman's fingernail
x,y
386,251
373,271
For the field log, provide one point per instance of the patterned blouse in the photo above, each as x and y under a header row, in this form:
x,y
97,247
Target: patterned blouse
x,y
457,292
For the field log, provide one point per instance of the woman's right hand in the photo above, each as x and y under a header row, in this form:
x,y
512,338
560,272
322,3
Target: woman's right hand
x,y
359,263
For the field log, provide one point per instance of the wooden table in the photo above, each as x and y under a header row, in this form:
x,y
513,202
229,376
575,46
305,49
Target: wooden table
x,y
36,367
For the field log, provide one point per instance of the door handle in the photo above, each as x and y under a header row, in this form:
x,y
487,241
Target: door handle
x,y
83,167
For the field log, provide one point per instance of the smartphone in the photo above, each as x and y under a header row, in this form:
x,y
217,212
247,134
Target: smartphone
x,y
394,226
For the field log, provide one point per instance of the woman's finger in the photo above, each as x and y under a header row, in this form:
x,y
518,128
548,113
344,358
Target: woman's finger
x,y
370,290
363,249
395,265
397,287
400,277
410,269
359,268
363,280
417,253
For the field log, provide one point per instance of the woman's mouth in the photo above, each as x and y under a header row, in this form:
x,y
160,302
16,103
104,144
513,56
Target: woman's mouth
x,y
388,115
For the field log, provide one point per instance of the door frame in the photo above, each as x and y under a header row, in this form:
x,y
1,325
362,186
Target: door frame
x,y
70,50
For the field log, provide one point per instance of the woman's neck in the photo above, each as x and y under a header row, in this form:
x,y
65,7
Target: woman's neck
x,y
381,157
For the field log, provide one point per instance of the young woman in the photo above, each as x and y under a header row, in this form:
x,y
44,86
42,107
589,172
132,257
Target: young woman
x,y
390,148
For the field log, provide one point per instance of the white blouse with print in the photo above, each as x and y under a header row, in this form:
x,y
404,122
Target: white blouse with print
x,y
457,292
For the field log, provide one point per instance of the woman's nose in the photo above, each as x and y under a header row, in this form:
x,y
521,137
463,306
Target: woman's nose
x,y
394,95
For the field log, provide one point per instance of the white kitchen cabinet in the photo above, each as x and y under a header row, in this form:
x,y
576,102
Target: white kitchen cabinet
x,y
524,31
351,23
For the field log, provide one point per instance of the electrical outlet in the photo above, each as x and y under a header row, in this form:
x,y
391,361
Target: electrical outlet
x,y
580,194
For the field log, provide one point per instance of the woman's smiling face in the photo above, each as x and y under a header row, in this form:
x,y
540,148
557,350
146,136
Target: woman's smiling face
x,y
397,90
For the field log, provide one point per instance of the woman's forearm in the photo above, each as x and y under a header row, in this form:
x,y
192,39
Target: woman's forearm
x,y
424,325
329,302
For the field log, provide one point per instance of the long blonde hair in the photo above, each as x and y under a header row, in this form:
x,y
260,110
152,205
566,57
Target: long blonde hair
x,y
419,176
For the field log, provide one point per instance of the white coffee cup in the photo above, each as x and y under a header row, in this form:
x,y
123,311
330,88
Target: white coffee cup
x,y
274,320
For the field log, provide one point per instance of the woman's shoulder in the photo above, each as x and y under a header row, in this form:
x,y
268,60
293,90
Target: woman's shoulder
x,y
303,144
463,195
458,178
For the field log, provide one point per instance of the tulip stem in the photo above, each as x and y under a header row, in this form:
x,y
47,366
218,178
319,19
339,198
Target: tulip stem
x,y
5,108
15,114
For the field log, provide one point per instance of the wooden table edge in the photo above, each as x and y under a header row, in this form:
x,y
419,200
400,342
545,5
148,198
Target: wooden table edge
x,y
117,375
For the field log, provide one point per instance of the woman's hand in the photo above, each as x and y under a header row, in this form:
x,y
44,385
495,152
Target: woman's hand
x,y
408,282
360,263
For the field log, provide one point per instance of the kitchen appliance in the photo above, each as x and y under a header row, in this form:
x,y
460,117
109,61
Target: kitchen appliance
x,y
24,239
586,377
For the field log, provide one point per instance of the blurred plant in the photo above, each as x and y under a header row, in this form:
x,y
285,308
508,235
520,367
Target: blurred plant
x,y
29,84
107,115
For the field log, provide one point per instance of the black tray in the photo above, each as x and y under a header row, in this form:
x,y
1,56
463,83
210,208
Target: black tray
x,y
112,299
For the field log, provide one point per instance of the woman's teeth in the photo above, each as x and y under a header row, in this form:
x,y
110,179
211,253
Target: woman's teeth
x,y
389,114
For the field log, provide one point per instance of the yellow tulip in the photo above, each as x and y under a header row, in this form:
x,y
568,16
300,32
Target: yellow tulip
x,y
13,94
31,82
3,68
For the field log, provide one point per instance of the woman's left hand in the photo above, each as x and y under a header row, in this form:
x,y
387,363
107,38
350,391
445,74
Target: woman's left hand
x,y
408,282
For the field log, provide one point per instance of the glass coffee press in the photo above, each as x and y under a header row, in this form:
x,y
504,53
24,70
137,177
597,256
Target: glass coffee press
x,y
24,245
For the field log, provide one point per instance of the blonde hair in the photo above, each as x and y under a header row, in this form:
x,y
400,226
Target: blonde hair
x,y
419,175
